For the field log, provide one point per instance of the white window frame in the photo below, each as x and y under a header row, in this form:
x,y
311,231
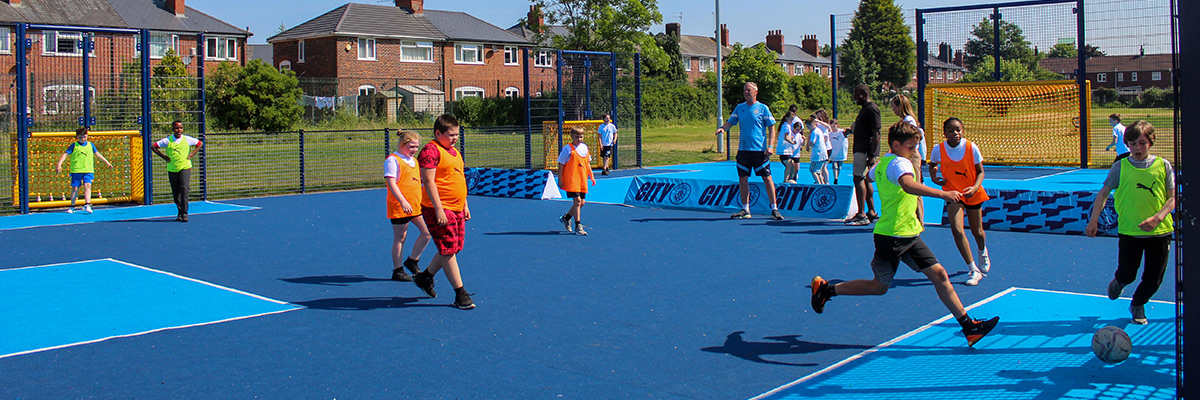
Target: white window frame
x,y
407,48
512,92
300,51
285,65
460,53
542,59
687,63
1120,77
6,36
165,41
468,91
220,48
368,89
1101,77
366,49
55,36
1133,76
702,65
1156,76
511,56
59,98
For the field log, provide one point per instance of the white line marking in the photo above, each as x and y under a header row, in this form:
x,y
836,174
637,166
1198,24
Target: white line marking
x,y
243,208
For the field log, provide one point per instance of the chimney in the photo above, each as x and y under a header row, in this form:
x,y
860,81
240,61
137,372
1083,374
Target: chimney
x,y
944,52
413,6
724,36
673,29
958,58
174,6
535,20
811,45
775,41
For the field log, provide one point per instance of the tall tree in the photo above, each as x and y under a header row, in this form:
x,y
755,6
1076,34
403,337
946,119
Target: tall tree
x,y
1013,45
605,25
674,67
755,64
857,64
1067,50
879,26
174,94
255,96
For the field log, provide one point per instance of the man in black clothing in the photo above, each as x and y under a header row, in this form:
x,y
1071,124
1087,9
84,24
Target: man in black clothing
x,y
866,150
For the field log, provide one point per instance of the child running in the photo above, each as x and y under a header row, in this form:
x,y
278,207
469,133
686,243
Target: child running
x,y
1145,197
789,145
961,165
898,236
403,180
575,168
83,155
444,208
1118,137
839,147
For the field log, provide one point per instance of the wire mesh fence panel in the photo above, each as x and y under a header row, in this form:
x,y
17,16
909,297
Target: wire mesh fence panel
x,y
115,73
383,99
496,147
335,160
249,164
55,78
9,192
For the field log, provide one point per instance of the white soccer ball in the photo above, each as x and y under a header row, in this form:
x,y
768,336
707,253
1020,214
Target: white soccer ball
x,y
1111,344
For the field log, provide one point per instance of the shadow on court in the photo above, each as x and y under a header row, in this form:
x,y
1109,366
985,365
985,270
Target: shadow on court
x,y
738,347
365,303
333,280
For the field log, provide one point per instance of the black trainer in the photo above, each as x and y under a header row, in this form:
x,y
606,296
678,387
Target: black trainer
x,y
819,298
424,280
398,274
566,221
977,329
872,217
463,301
412,266
775,215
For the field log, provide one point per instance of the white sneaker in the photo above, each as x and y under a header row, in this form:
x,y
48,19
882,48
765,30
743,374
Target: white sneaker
x,y
976,276
87,208
72,209
985,262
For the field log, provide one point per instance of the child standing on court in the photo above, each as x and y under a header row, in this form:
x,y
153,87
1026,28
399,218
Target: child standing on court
x,y
575,168
898,236
403,180
444,208
82,167
789,146
1118,137
818,144
838,149
608,139
961,165
1145,197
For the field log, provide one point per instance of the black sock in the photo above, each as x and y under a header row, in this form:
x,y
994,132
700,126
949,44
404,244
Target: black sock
x,y
460,289
829,291
966,321
425,274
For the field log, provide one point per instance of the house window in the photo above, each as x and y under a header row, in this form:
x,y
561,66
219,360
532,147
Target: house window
x,y
59,99
161,42
706,64
1101,77
1156,76
687,63
1120,77
366,90
366,49
468,54
512,92
285,65
510,56
416,51
818,70
467,91
542,59
5,40
1133,76
300,51
220,48
56,43
941,74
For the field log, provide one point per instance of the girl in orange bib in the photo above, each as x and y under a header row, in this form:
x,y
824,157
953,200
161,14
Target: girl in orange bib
x,y
961,165
575,168
403,180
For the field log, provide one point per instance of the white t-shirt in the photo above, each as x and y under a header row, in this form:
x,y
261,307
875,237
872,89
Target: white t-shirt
x,y
1119,136
820,144
955,153
899,167
391,169
191,141
606,134
565,154
921,145
839,145
785,134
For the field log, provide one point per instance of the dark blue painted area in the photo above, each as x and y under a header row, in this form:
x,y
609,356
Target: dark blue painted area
x,y
653,304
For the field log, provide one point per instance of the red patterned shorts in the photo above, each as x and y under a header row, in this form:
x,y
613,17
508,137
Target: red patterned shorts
x,y
448,238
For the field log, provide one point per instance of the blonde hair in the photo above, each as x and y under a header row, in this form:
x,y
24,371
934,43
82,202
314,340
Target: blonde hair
x,y
905,106
408,136
577,130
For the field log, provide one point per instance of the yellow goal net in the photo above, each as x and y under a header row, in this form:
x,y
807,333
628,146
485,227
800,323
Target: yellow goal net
x,y
120,184
591,137
1014,123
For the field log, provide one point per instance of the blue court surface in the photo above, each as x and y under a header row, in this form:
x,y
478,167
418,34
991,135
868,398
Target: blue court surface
x,y
659,304
108,214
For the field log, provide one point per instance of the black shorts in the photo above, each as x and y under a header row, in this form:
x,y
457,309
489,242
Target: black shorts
x,y
970,207
753,163
581,195
402,221
891,250
783,158
606,151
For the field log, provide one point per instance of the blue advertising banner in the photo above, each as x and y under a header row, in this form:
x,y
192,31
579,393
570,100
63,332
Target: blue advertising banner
x,y
1044,212
808,201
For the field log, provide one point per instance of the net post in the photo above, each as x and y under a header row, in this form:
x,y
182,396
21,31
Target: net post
x,y
833,70
637,104
22,120
302,188
387,142
85,46
922,66
996,75
147,124
612,112
202,129
1187,379
559,63
528,110
1081,80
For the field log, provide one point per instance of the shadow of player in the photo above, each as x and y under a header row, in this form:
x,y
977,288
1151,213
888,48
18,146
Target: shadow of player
x,y
332,280
780,345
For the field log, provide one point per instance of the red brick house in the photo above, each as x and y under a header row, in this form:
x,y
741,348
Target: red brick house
x,y
699,53
1130,75
373,48
799,60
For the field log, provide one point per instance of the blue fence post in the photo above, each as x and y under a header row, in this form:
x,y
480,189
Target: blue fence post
x,y
558,71
22,119
147,125
462,143
637,104
996,74
203,128
922,66
587,87
85,48
303,189
1081,80
833,69
387,141
528,110
612,113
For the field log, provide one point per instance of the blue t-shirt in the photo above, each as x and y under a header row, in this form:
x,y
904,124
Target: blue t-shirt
x,y
753,135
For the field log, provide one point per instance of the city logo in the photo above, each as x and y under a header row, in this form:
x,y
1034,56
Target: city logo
x,y
680,193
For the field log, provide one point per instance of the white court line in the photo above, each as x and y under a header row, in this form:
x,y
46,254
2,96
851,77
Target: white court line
x,y
1047,176
244,208
296,307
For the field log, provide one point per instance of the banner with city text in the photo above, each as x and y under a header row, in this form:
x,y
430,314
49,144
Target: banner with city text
x,y
808,201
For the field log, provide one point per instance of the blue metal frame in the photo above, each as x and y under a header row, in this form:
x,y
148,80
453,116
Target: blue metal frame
x,y
587,87
637,103
85,48
201,41
528,111
71,28
1081,79
22,119
922,66
612,113
561,116
147,123
833,71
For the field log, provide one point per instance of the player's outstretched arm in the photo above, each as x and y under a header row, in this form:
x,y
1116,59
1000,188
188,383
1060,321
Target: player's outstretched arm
x,y
911,186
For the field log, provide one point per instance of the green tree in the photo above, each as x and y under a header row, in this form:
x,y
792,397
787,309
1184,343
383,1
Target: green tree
x,y
879,26
826,50
1013,45
811,91
1067,50
857,65
255,96
605,25
174,94
674,66
755,64
1013,71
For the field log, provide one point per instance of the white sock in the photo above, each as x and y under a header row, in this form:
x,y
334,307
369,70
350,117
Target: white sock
x,y
746,207
972,267
983,252
774,207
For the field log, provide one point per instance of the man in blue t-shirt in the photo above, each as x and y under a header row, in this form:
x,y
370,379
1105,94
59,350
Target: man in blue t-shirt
x,y
754,147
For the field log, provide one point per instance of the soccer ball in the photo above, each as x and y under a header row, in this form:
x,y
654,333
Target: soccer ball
x,y
1111,344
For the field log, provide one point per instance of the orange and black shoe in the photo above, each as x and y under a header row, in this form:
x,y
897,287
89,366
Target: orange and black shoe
x,y
977,329
820,288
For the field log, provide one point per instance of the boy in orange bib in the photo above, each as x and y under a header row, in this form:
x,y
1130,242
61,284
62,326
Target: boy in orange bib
x,y
403,180
961,165
444,208
575,168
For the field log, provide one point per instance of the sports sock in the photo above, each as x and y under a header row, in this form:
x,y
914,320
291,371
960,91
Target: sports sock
x,y
746,207
965,321
774,207
972,267
460,289
829,290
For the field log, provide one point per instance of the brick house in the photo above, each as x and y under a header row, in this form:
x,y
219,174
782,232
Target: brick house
x,y
798,60
372,48
1129,75
945,67
699,53
55,62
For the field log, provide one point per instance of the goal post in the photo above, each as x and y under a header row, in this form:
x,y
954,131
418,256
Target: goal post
x,y
123,183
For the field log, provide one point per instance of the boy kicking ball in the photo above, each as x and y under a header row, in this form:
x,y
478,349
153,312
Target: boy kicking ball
x,y
898,236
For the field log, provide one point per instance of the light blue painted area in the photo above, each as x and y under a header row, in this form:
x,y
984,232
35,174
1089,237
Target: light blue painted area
x,y
60,217
61,305
1040,350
